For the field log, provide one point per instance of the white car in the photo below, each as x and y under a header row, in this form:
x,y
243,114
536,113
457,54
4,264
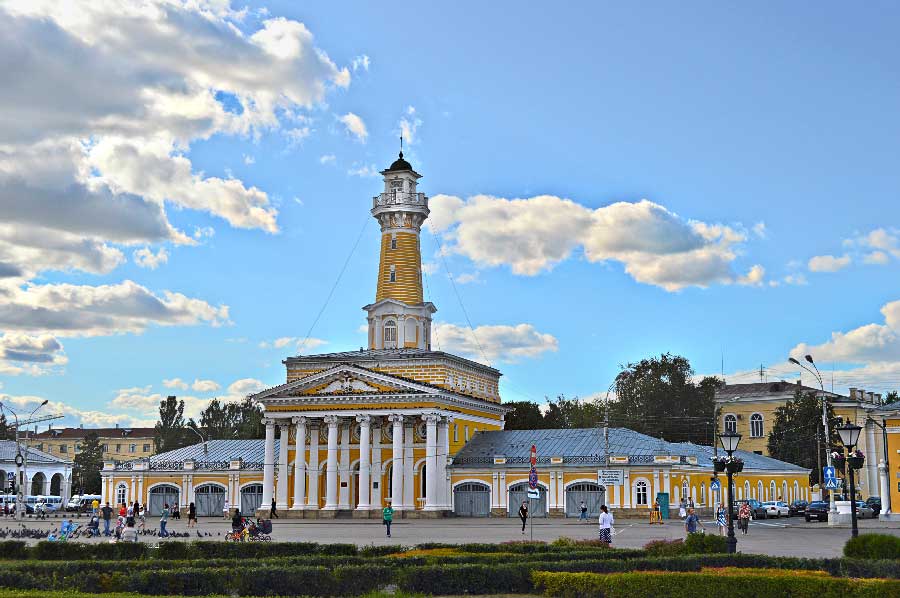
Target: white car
x,y
776,508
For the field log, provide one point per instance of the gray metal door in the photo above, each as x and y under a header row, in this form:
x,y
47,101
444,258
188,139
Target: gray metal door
x,y
161,496
593,496
209,500
536,507
251,498
472,500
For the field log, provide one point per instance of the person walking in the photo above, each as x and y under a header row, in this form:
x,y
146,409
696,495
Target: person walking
x,y
721,519
387,517
523,514
163,520
142,518
226,510
691,522
583,516
192,515
606,523
682,508
106,512
273,514
744,517
95,507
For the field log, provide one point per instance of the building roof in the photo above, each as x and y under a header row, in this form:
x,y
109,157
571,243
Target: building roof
x,y
768,390
399,165
78,433
586,446
251,451
388,355
8,454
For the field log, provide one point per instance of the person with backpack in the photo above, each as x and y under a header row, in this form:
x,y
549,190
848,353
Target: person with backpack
x,y
387,517
523,514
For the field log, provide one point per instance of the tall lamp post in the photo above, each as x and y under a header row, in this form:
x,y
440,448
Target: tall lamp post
x,y
22,461
730,440
832,508
849,437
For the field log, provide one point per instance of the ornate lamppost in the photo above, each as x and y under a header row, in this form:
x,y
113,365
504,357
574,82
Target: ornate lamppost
x,y
855,459
730,440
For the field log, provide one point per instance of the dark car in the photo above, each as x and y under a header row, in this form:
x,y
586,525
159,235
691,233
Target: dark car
x,y
875,503
817,510
757,509
798,507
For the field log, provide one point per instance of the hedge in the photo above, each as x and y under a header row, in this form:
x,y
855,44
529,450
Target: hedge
x,y
690,585
873,546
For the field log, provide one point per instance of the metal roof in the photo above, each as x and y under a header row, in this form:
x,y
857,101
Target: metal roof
x,y
586,446
217,450
769,389
387,355
8,453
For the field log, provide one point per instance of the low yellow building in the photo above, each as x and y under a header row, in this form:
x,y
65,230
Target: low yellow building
x,y
118,444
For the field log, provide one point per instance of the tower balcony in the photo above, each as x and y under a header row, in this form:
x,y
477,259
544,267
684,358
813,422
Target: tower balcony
x,y
398,199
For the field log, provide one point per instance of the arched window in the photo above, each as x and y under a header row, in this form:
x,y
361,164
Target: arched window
x,y
756,425
796,490
747,490
640,493
121,494
423,485
703,493
685,491
390,334
773,494
730,423
759,492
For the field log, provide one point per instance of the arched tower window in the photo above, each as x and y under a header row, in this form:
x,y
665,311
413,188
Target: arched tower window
x,y
730,423
390,334
756,425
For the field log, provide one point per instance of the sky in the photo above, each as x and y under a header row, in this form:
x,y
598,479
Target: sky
x,y
185,186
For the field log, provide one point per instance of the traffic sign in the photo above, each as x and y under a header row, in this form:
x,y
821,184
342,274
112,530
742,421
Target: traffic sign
x,y
828,473
715,484
832,484
10,476
532,478
533,456
535,494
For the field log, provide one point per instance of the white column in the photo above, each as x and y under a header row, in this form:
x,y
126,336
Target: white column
x,y
397,463
365,447
268,464
401,332
331,464
872,469
409,484
551,499
376,466
130,491
344,468
431,466
626,492
379,344
300,463
885,489
503,495
443,456
312,494
281,497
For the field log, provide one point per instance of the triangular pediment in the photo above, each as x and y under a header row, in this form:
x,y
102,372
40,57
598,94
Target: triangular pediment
x,y
344,380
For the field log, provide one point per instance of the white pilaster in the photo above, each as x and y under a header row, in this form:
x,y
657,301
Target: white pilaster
x,y
397,462
131,491
344,468
504,495
379,343
331,464
871,462
365,446
443,456
885,488
268,464
300,463
495,494
281,498
401,331
551,499
312,493
376,481
409,483
431,465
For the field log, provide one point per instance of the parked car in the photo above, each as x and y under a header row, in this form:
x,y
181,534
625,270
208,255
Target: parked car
x,y
798,507
757,510
817,510
864,511
776,508
875,503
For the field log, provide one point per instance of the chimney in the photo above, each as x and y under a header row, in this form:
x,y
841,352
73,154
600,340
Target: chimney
x,y
871,396
852,393
117,425
878,398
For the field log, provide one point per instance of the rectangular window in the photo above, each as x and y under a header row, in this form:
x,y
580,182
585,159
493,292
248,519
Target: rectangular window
x,y
77,448
146,448
63,448
466,430
393,241
132,448
105,448
118,448
392,277
455,432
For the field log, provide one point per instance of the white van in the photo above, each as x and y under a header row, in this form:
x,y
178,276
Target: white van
x,y
51,503
74,503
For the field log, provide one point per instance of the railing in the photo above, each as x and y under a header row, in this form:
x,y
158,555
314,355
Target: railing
x,y
395,198
567,459
212,465
166,465
124,465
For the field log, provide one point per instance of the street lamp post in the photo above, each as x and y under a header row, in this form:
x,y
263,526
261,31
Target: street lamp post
x,y
21,461
730,442
849,437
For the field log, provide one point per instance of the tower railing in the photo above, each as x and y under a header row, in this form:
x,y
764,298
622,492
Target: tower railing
x,y
396,198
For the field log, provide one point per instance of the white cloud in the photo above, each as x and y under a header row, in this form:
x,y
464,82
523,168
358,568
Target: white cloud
x,y
74,416
296,135
360,63
795,279
355,126
204,232
429,268
468,277
142,399
175,383
494,342
249,160
33,355
366,170
327,159
754,276
828,263
409,126
876,342
759,229
205,385
876,257
298,343
532,235
145,258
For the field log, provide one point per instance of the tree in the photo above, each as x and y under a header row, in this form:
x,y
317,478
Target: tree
x,y
658,397
169,432
87,465
241,420
891,397
573,413
526,415
797,430
7,432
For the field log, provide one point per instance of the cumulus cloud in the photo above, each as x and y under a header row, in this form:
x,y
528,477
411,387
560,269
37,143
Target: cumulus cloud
x,y
494,342
145,258
142,399
73,416
327,159
355,126
300,345
175,383
876,257
205,386
30,354
532,235
409,126
365,170
828,263
361,62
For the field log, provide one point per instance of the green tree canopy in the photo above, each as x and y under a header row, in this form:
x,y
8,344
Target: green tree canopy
x,y
797,431
170,432
658,397
525,415
891,397
241,420
87,465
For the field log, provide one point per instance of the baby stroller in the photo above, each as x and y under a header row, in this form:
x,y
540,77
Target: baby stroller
x,y
93,527
259,531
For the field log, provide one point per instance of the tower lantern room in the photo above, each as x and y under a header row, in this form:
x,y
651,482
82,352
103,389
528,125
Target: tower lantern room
x,y
400,318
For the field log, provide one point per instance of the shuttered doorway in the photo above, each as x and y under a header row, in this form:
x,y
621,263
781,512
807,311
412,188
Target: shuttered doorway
x,y
209,500
536,507
593,496
472,500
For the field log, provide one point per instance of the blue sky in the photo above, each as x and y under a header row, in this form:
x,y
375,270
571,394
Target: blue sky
x,y
226,144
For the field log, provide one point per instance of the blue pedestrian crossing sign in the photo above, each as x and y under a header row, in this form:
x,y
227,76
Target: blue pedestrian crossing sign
x,y
832,484
828,473
715,484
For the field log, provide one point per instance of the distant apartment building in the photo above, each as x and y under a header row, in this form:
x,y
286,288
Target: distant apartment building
x,y
119,443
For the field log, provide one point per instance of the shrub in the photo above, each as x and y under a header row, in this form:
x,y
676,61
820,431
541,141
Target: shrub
x,y
665,547
466,579
705,544
873,546
13,549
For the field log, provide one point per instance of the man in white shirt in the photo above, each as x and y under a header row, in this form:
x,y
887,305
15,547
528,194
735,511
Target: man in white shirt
x,y
606,523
